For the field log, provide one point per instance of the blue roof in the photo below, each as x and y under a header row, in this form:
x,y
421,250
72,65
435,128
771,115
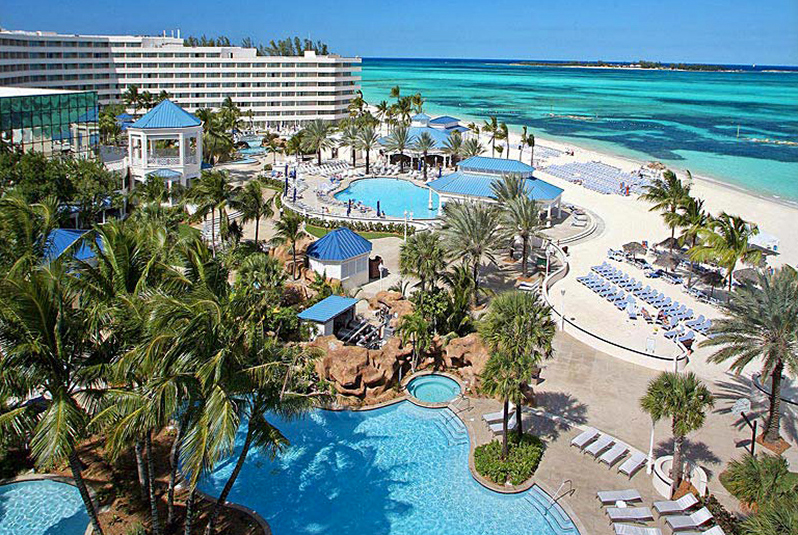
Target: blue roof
x,y
125,117
476,185
483,164
340,244
413,133
327,308
444,119
61,239
420,117
167,114
165,173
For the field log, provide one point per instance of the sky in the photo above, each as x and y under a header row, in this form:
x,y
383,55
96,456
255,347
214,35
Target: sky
x,y
763,32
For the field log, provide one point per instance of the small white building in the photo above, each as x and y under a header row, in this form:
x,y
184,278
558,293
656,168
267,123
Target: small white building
x,y
166,143
330,314
342,255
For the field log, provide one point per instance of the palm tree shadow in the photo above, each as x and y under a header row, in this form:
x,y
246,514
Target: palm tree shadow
x,y
561,404
695,451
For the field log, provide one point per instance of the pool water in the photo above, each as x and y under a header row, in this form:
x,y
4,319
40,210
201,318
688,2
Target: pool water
x,y
395,196
433,388
252,151
41,508
397,470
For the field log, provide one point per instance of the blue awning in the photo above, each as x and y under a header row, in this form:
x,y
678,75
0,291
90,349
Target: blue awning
x,y
483,164
340,244
166,174
477,185
327,309
167,114
62,239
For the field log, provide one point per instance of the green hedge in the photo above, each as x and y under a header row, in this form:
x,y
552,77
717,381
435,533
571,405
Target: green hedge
x,y
362,226
521,462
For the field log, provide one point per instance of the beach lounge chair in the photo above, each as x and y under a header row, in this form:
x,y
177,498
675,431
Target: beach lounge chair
x,y
647,316
693,521
628,529
614,454
629,514
607,497
493,417
498,427
584,438
634,463
631,310
714,530
698,321
680,506
602,443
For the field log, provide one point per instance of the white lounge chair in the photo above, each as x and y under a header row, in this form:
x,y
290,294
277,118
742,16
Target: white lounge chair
x,y
584,438
633,463
493,417
693,521
629,514
612,496
613,455
714,530
498,427
628,529
671,507
602,443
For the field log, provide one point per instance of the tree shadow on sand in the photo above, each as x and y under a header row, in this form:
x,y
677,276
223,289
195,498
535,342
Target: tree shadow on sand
x,y
695,451
561,404
737,387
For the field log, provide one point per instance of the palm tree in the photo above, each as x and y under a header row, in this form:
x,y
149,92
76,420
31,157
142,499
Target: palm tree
x,y
289,230
404,109
146,100
350,134
756,481
528,140
316,137
727,241
274,148
399,141
230,115
683,398
504,135
132,98
367,141
395,92
418,102
163,95
416,330
217,143
49,343
295,145
667,194
779,518
27,229
470,232
382,110
211,194
518,330
760,327
491,127
423,144
521,217
500,379
453,146
510,187
422,256
250,201
472,147
692,219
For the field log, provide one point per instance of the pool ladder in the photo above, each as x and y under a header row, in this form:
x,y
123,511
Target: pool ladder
x,y
556,497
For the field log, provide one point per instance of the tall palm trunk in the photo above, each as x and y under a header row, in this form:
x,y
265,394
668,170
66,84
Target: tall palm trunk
x,y
425,167
532,155
318,155
155,522
77,475
505,448
401,162
518,414
293,255
217,508
676,466
524,252
174,455
189,522
354,157
367,161
213,233
142,470
774,417
257,226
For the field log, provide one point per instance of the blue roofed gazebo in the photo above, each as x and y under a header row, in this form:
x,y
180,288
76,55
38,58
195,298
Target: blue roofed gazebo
x,y
342,255
330,314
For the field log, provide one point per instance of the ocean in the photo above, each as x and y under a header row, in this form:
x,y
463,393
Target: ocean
x,y
696,120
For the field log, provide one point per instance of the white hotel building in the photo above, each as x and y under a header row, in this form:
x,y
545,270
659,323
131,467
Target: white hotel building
x,y
280,91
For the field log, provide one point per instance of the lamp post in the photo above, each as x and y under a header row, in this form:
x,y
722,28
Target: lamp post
x,y
650,463
405,226
548,260
562,318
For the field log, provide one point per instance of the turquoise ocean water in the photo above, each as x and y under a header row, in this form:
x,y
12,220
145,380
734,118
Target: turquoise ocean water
x,y
688,120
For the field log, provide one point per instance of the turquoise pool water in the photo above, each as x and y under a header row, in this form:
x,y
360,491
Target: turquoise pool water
x,y
398,470
252,151
41,508
395,196
433,388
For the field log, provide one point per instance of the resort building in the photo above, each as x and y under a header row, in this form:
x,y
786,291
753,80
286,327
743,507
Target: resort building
x,y
473,180
342,255
439,129
278,91
330,315
52,122
165,143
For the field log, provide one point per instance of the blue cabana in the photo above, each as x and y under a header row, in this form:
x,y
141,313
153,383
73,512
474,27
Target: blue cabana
x,y
330,314
63,239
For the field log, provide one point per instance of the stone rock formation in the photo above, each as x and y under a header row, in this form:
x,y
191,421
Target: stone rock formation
x,y
467,356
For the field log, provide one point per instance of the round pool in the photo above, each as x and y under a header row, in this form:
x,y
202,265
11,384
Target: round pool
x,y
433,388
394,195
41,507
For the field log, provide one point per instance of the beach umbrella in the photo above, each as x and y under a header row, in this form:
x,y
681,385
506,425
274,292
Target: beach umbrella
x,y
669,243
440,170
294,193
668,261
285,191
634,248
746,275
713,278
286,169
378,208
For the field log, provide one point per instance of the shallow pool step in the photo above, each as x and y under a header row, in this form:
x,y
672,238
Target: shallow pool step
x,y
453,423
452,439
554,514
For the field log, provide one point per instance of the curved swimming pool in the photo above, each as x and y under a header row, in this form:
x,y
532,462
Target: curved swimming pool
x,y
397,470
41,507
394,195
433,388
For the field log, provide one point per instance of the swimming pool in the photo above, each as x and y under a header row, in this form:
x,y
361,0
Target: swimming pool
x,y
395,196
397,470
252,151
433,388
41,507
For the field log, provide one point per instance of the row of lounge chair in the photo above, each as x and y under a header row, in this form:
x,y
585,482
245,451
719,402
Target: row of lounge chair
x,y
599,177
609,450
677,514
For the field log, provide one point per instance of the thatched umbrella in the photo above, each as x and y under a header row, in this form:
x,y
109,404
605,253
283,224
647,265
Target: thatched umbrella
x,y
713,278
658,166
746,275
670,243
668,261
634,248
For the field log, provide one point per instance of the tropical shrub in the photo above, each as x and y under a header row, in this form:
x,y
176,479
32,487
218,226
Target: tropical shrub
x,y
759,480
362,226
521,463
726,520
